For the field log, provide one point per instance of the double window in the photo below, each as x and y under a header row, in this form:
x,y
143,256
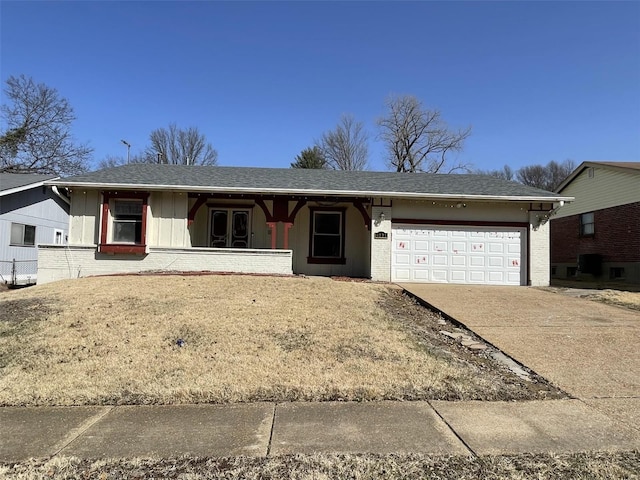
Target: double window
x,y
587,225
22,235
230,228
327,236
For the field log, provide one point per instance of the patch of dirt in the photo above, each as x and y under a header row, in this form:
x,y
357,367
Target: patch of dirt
x,y
427,325
619,298
17,317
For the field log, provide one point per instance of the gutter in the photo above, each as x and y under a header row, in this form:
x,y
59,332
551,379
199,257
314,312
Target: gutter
x,y
64,198
285,191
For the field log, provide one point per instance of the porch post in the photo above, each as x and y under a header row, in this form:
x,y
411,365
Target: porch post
x,y
287,226
274,233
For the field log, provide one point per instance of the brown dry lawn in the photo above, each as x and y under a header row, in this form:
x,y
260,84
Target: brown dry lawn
x,y
592,466
114,340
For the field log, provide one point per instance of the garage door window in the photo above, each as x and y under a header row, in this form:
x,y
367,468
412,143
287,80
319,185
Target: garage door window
x,y
327,236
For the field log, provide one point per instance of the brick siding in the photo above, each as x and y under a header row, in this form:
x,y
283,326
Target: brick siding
x,y
617,236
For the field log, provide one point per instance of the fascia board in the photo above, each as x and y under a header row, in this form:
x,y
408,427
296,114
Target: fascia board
x,y
286,191
22,188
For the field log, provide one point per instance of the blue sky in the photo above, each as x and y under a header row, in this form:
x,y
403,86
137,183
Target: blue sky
x,y
537,81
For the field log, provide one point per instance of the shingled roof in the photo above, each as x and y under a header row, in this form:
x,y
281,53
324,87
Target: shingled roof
x,y
15,182
293,181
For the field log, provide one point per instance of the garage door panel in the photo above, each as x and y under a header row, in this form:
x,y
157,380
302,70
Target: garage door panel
x,y
440,260
477,276
458,276
439,275
421,260
496,262
403,274
476,261
421,275
458,261
402,259
420,246
478,255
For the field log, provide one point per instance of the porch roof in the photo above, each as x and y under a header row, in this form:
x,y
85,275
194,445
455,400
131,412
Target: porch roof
x,y
306,182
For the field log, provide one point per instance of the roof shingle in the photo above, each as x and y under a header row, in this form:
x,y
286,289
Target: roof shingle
x,y
301,181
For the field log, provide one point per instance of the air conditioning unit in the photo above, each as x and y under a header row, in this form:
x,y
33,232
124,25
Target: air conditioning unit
x,y
590,263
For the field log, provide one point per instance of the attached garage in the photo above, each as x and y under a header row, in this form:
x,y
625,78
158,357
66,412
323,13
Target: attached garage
x,y
459,254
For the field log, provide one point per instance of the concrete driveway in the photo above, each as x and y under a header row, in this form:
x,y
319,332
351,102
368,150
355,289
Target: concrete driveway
x,y
589,349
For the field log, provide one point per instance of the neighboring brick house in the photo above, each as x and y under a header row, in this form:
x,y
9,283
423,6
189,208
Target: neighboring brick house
x,y
598,235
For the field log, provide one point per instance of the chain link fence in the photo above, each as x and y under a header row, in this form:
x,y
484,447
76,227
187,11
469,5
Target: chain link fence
x,y
18,272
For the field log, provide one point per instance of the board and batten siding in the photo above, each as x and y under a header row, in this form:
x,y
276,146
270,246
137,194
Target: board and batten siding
x,y
167,220
607,187
84,215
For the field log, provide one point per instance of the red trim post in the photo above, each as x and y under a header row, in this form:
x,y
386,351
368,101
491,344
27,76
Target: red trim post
x,y
287,226
105,220
274,233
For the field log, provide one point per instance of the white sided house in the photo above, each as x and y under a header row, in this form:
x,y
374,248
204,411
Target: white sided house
x,y
30,214
399,227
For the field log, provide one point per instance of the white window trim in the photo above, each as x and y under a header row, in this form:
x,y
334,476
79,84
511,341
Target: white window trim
x,y
22,244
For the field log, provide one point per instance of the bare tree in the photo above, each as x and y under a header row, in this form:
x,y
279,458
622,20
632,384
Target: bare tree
x,y
345,148
547,177
38,135
310,158
418,139
111,161
506,173
182,147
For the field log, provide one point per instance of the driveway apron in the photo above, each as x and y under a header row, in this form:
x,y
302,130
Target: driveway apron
x,y
589,349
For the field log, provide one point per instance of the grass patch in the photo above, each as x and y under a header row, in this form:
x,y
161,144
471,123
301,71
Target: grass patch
x,y
594,466
222,339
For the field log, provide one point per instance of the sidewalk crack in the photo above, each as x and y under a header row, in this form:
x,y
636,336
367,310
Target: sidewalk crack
x,y
75,433
273,424
462,440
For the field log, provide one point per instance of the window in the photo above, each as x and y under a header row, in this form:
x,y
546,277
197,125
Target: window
x,y
124,223
230,228
327,236
58,237
127,221
587,225
616,273
23,235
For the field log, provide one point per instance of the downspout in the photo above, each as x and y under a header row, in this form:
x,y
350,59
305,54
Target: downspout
x,y
545,218
64,198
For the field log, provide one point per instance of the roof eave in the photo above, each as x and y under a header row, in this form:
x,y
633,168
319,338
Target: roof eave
x,y
327,193
22,188
584,165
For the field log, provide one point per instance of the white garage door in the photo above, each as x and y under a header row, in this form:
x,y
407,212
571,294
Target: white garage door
x,y
442,254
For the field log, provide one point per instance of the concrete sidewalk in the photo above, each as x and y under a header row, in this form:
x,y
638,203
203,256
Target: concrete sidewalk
x,y
263,429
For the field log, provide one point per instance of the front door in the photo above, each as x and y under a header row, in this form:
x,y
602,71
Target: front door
x,y
230,228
